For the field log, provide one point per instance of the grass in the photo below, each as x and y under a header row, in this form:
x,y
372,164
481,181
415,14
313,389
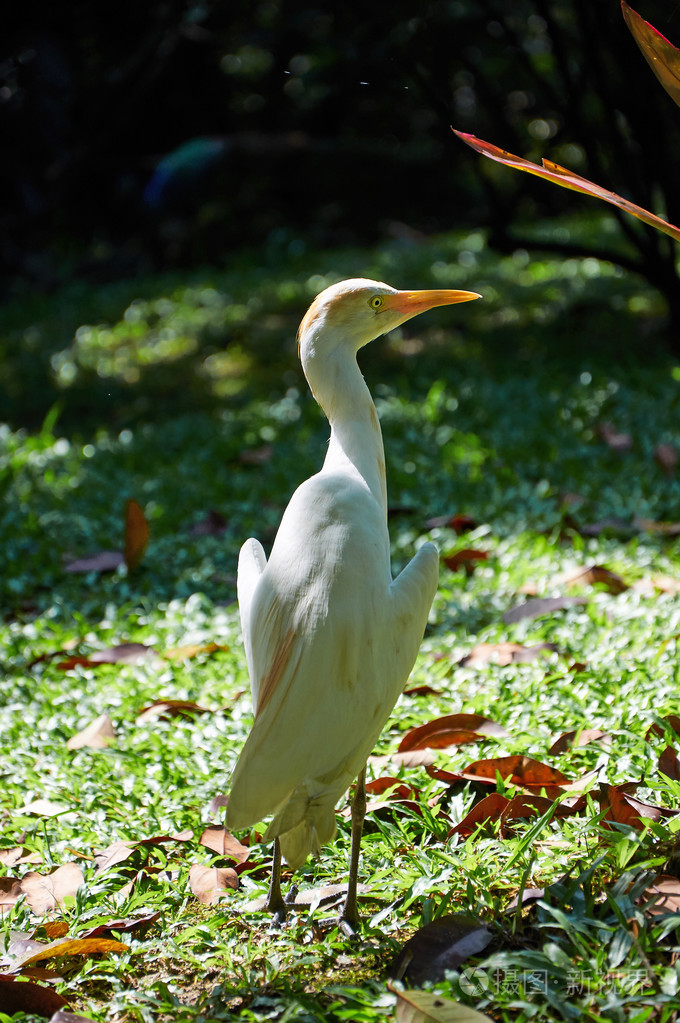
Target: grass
x,y
496,413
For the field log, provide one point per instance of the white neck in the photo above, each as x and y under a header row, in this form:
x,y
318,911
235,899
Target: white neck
x,y
356,444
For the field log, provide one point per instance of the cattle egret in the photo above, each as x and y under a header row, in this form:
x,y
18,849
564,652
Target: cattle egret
x,y
330,637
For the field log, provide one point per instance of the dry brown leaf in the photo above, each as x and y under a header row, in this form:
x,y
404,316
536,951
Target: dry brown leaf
x,y
451,730
214,524
69,947
487,809
256,456
504,654
467,559
102,561
670,722
669,764
222,842
167,709
115,853
666,457
459,523
662,896
44,892
97,735
662,528
10,892
136,535
625,809
440,946
519,770
578,737
24,996
540,606
123,653
185,653
614,438
209,883
596,575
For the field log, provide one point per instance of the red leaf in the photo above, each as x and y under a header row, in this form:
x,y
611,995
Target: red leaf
x,y
518,770
22,996
136,535
466,559
660,54
167,709
568,179
662,896
625,809
489,808
459,523
596,575
669,764
452,730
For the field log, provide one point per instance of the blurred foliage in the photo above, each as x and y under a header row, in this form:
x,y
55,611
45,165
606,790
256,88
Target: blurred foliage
x,y
176,132
116,354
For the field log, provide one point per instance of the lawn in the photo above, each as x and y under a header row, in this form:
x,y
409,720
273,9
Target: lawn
x,y
533,437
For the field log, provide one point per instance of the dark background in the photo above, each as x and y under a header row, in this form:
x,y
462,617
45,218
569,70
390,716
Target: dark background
x,y
141,136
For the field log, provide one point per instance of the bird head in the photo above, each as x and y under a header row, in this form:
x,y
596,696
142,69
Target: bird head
x,y
352,313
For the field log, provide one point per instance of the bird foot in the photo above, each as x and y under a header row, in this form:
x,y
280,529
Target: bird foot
x,y
279,912
349,923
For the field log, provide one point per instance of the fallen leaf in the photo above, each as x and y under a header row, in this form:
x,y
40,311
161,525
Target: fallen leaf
x,y
214,524
616,440
10,892
186,653
576,738
518,770
487,809
666,457
440,946
541,606
662,896
467,559
451,730
44,808
24,996
222,842
596,575
137,925
123,653
424,690
102,561
256,456
415,1006
669,764
97,735
671,723
167,709
662,528
409,758
136,535
459,523
504,654
70,947
62,1016
44,892
528,895
625,809
208,883
115,853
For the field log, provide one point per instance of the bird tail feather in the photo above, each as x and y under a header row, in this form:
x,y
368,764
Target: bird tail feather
x,y
302,826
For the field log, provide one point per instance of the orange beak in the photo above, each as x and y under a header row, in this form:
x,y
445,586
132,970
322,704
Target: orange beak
x,y
410,303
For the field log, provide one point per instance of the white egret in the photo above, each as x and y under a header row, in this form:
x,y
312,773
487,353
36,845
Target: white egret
x,y
330,637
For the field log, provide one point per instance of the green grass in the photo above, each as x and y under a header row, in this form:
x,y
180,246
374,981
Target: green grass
x,y
493,411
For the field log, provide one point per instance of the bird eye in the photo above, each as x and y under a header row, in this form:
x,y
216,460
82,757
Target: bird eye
x,y
376,302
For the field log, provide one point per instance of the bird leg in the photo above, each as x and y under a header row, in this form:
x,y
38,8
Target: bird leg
x,y
349,918
275,904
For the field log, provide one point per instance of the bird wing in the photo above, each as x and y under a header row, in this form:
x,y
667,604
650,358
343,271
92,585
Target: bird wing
x,y
322,663
411,596
252,562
